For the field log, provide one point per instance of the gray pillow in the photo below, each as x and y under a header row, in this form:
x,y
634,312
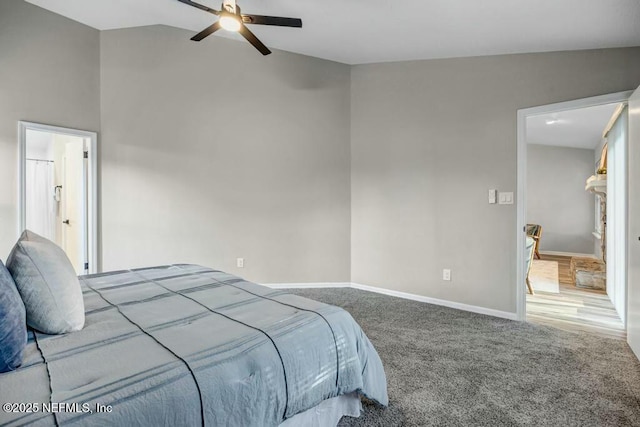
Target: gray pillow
x,y
13,328
47,284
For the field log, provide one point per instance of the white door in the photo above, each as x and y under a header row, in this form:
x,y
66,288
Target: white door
x,y
617,196
73,204
633,276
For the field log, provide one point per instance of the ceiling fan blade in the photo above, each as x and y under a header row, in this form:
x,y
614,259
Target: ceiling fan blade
x,y
251,38
206,32
200,6
272,20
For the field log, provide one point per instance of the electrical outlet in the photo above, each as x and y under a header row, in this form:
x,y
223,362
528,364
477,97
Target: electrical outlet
x,y
240,262
446,274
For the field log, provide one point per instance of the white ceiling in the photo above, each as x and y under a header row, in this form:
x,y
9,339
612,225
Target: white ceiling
x,y
366,31
580,128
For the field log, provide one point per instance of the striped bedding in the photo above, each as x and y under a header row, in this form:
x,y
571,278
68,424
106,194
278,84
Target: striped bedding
x,y
185,345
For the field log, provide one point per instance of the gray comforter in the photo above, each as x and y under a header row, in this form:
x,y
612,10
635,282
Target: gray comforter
x,y
185,345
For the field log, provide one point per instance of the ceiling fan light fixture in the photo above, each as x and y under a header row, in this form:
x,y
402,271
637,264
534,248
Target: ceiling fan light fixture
x,y
230,22
230,18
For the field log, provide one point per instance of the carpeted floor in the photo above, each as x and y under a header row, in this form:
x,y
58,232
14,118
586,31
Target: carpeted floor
x,y
453,368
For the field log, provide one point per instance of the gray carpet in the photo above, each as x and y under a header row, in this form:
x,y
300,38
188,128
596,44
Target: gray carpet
x,y
453,368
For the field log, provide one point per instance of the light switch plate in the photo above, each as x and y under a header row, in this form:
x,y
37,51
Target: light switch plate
x,y
492,196
505,198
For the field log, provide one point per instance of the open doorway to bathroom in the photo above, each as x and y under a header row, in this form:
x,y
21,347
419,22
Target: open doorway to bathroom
x,y
58,190
572,184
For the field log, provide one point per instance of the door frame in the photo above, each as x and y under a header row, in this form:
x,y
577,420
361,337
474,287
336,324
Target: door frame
x,y
521,199
92,181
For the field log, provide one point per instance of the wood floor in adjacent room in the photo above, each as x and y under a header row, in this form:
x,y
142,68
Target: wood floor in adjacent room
x,y
574,309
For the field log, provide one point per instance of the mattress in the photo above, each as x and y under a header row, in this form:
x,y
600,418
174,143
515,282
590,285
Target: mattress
x,y
188,345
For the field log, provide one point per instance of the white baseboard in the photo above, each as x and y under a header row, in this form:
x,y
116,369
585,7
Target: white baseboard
x,y
436,301
571,254
308,285
398,294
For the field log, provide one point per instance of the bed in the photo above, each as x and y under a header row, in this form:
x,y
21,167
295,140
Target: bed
x,y
188,345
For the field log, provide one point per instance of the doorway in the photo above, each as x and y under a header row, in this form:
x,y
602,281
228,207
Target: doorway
x,y
58,191
550,115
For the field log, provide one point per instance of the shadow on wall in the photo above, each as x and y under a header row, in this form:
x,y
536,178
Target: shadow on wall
x,y
302,73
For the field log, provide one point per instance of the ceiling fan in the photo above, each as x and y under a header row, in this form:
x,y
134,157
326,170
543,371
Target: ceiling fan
x,y
231,19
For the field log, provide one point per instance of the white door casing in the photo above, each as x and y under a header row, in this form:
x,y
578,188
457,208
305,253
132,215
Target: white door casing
x,y
90,189
521,201
633,241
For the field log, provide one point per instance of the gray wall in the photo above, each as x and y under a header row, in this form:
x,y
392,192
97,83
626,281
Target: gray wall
x,y
429,138
557,200
211,151
49,73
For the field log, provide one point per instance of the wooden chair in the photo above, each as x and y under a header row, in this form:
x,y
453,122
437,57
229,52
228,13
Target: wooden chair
x,y
529,253
535,232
